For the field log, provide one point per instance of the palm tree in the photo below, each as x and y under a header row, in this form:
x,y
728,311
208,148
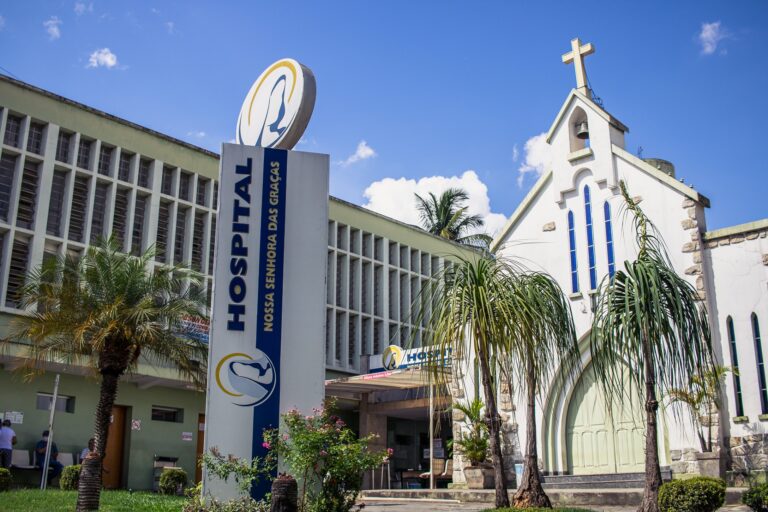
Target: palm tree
x,y
468,312
651,319
108,310
701,394
544,335
446,216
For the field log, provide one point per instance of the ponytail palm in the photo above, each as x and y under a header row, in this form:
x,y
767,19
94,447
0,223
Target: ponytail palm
x,y
651,319
108,311
544,338
468,312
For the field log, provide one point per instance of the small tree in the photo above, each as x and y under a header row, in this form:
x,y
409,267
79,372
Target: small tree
x,y
701,396
108,311
651,319
474,444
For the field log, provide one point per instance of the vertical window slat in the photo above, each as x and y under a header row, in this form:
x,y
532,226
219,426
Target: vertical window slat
x,y
572,251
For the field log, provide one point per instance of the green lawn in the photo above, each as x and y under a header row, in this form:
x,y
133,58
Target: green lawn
x,y
29,500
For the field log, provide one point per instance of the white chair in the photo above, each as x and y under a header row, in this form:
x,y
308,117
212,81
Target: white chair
x,y
20,460
66,459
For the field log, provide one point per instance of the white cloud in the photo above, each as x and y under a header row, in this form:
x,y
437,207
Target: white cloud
x,y
395,198
154,10
515,153
196,134
52,26
537,157
81,8
2,22
710,36
102,58
170,27
363,152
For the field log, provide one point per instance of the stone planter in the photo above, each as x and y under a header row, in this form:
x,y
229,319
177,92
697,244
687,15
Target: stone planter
x,y
479,477
709,464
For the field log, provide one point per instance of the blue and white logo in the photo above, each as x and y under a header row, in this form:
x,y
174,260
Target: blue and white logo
x,y
249,379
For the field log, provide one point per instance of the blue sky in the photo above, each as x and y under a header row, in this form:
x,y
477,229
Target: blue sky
x,y
433,88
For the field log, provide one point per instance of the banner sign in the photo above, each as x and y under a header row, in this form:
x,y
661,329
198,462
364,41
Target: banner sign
x,y
267,326
397,358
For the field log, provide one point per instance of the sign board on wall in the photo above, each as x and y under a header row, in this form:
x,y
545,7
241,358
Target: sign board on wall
x,y
398,358
267,326
15,417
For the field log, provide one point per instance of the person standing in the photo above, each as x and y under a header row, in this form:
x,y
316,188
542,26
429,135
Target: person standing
x,y
54,465
7,440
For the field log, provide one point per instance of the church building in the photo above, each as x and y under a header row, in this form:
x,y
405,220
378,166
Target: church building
x,y
572,225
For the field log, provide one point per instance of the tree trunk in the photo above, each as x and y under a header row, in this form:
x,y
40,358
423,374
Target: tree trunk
x,y
652,469
89,488
494,423
530,493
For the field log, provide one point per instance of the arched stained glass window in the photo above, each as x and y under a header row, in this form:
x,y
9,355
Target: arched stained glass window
x,y
734,366
609,238
572,246
590,240
760,365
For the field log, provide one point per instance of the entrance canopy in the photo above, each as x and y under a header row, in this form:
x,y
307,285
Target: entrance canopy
x,y
407,378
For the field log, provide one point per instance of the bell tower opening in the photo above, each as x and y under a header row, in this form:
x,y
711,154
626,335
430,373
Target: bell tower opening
x,y
578,130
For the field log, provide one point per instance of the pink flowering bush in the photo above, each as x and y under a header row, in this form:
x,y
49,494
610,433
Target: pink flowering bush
x,y
326,458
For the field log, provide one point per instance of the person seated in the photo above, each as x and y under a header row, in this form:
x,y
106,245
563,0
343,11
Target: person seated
x,y
54,466
86,451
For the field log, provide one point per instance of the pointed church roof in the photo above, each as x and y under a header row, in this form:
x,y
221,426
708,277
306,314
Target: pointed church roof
x,y
597,108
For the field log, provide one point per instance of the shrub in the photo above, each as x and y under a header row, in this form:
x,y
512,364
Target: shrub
x,y
5,479
173,481
700,494
70,478
756,497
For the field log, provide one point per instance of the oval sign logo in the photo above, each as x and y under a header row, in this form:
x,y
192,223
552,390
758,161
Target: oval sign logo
x,y
277,109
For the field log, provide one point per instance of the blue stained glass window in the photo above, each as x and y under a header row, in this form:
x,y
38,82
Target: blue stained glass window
x,y
572,242
609,238
590,240
760,365
735,366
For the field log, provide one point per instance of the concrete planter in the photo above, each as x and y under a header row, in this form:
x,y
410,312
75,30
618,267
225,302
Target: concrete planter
x,y
479,477
709,464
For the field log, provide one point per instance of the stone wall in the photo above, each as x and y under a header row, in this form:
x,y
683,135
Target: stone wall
x,y
748,457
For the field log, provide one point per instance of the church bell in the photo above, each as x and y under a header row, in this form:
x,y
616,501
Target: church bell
x,y
582,130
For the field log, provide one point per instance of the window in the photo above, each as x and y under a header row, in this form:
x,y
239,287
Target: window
x,y
171,414
63,146
84,153
197,241
163,220
211,244
99,211
572,249
12,131
609,239
202,188
77,213
137,240
124,167
17,273
590,240
734,366
63,403
35,138
105,159
760,364
121,214
167,184
181,228
25,212
184,182
144,166
215,197
56,203
7,170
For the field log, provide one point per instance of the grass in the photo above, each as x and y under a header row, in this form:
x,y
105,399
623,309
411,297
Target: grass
x,y
54,500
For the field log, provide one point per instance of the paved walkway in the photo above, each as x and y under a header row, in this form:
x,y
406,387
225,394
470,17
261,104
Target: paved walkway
x,y
373,505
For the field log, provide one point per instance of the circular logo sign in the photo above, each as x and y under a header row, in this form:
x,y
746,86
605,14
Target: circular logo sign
x,y
392,357
248,379
277,109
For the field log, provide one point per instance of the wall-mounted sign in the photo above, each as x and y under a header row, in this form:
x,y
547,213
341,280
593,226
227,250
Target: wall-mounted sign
x,y
14,417
277,109
397,358
186,436
136,425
